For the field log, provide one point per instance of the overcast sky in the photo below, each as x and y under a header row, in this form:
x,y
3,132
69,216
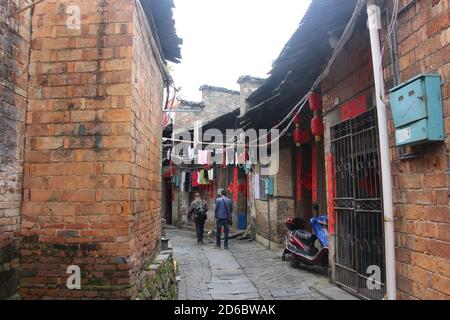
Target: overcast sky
x,y
224,39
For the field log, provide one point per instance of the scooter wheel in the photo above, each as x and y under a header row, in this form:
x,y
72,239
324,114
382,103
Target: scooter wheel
x,y
294,263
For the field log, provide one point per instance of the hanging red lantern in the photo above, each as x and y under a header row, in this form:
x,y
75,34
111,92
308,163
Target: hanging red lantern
x,y
297,134
315,102
301,136
317,128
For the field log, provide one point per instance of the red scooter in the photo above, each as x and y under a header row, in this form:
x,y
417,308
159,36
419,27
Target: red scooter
x,y
307,248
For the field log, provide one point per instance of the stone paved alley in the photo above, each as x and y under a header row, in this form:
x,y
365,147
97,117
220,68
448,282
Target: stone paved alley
x,y
248,271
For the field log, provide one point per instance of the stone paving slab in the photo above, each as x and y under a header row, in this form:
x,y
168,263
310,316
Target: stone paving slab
x,y
248,271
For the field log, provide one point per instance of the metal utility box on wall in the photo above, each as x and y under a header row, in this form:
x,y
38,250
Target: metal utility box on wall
x,y
417,110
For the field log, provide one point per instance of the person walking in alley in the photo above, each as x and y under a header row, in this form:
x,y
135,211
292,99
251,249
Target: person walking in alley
x,y
223,211
198,213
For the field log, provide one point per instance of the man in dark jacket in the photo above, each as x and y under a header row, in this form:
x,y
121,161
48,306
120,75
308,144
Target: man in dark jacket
x,y
223,211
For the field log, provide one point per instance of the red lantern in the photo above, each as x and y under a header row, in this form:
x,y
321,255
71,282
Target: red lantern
x,y
301,136
317,127
315,102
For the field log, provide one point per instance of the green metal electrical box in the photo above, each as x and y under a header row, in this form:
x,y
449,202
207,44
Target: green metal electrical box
x,y
417,110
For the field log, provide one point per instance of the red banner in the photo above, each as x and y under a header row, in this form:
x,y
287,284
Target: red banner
x,y
314,173
235,184
330,182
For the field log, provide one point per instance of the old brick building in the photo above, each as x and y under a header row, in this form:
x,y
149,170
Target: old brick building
x,y
420,173
422,181
91,158
349,152
14,48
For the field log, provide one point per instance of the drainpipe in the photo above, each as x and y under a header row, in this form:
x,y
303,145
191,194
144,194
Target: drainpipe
x,y
374,25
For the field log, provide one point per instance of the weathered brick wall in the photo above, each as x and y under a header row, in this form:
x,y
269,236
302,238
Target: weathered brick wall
x,y
281,205
422,185
351,74
14,58
216,101
146,132
184,121
247,85
92,160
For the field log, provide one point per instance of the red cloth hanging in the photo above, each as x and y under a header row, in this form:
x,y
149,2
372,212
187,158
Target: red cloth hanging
x,y
235,184
195,179
299,175
331,188
314,173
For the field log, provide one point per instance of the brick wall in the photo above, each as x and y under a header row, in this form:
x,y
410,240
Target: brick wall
x,y
14,48
92,158
247,85
281,205
351,74
422,185
146,131
215,102
218,101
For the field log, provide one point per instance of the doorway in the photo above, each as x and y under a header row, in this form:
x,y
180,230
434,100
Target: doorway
x,y
357,203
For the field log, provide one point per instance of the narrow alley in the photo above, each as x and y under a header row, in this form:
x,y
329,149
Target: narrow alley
x,y
247,271
318,130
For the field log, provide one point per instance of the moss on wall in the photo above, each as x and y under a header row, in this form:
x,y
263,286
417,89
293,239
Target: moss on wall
x,y
159,282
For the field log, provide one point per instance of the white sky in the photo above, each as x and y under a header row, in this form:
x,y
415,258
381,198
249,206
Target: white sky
x,y
224,39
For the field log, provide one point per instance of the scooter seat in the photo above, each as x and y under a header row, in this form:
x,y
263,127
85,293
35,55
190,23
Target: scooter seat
x,y
303,235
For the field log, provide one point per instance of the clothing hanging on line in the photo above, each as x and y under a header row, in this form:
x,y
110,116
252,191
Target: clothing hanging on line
x,y
230,156
191,153
203,157
240,158
202,178
194,179
256,186
187,182
176,181
183,181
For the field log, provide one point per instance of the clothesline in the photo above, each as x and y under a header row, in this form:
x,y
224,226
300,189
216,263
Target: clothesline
x,y
292,114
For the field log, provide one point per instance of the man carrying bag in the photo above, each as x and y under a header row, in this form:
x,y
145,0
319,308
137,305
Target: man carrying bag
x,y
198,212
223,212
